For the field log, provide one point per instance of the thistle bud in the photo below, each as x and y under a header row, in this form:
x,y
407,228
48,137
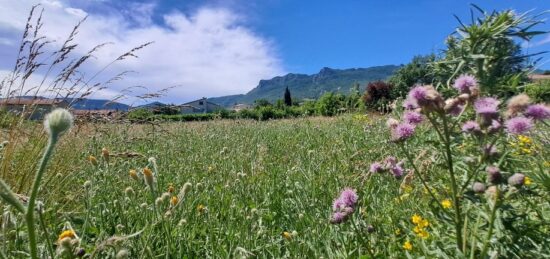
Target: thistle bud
x,y
134,175
92,160
122,254
493,175
478,187
58,122
370,228
516,180
129,192
165,197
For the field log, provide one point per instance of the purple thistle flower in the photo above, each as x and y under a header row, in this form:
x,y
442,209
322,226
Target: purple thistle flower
x,y
338,217
516,180
349,197
486,106
338,204
390,161
402,131
494,127
418,94
518,125
410,104
456,110
375,167
413,118
397,170
471,127
464,83
537,112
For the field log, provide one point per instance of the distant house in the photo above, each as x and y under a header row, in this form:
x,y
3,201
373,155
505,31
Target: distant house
x,y
34,108
199,106
241,106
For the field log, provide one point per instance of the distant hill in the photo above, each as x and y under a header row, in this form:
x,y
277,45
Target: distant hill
x,y
96,104
309,86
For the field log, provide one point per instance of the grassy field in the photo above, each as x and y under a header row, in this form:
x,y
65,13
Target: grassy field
x,y
256,189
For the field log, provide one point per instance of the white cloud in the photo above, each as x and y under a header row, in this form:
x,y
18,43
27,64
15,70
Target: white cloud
x,y
206,53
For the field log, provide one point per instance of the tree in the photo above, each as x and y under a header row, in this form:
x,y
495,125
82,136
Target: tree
x,y
418,71
288,99
261,103
377,95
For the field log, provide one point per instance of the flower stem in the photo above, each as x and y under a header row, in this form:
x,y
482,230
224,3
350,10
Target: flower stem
x,y
454,187
491,224
29,217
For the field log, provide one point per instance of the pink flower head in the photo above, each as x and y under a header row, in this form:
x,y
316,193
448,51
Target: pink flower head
x,y
494,127
418,94
413,118
397,170
376,167
338,217
538,112
518,125
471,127
465,83
403,131
349,197
486,106
410,104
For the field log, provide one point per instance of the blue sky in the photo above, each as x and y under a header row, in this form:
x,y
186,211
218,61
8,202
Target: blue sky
x,y
220,47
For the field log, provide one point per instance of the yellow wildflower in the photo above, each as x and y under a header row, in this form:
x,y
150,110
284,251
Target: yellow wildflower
x,y
174,200
92,160
133,174
407,245
527,180
105,154
201,208
423,234
170,188
148,175
287,235
416,219
67,233
417,229
446,203
424,223
398,232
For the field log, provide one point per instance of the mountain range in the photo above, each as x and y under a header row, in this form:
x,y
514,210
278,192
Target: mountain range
x,y
304,86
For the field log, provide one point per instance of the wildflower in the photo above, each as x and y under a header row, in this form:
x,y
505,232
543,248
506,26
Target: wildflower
x,y
409,104
424,223
58,122
538,112
201,208
413,118
517,104
93,160
392,123
286,235
464,83
446,203
375,167
129,191
397,170
398,232
471,127
527,181
165,197
516,180
174,200
171,188
344,206
105,154
407,245
426,97
69,233
402,132
518,125
486,106
478,187
494,127
416,219
423,234
133,174
454,106
493,175
148,175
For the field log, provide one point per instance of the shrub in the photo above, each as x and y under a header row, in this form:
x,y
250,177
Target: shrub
x,y
377,95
